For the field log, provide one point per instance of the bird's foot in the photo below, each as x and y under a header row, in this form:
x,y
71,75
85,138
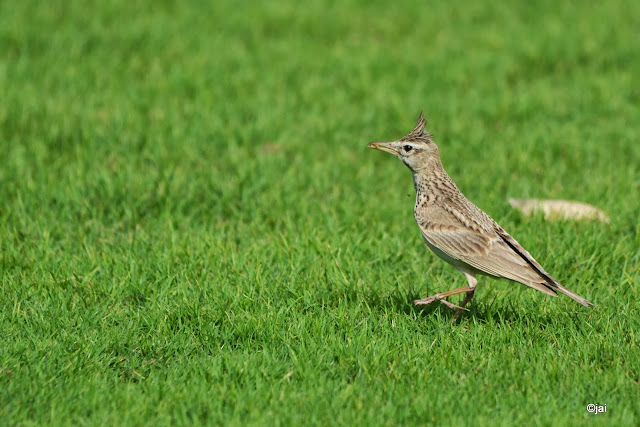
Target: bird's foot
x,y
434,298
425,301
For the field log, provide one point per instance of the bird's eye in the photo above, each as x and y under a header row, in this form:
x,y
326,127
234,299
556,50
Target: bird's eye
x,y
407,148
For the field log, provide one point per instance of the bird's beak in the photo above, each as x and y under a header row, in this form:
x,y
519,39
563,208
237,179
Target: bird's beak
x,y
384,146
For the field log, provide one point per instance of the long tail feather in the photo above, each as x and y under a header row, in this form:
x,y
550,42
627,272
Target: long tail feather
x,y
551,282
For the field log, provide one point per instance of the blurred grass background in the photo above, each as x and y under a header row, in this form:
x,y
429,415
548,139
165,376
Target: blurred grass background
x,y
193,231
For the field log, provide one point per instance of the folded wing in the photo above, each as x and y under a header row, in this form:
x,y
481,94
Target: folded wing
x,y
489,252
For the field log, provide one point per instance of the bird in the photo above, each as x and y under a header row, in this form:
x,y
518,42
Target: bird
x,y
458,231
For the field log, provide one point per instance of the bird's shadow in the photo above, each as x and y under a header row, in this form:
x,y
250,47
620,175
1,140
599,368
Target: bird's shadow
x,y
480,311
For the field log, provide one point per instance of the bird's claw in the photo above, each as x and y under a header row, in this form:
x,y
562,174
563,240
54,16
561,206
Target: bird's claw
x,y
434,298
425,301
451,305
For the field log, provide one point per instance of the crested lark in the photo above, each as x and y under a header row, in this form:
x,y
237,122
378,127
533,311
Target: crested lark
x,y
458,231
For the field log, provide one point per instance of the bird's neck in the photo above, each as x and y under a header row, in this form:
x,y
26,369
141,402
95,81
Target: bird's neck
x,y
434,183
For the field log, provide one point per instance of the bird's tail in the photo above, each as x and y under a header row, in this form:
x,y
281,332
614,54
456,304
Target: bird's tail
x,y
557,286
552,286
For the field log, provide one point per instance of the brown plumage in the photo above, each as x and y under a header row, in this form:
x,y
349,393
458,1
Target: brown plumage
x,y
458,231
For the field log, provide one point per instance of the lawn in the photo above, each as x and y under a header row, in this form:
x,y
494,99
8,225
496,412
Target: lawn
x,y
193,231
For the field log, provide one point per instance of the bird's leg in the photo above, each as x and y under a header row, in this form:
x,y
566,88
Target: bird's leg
x,y
472,282
470,289
440,296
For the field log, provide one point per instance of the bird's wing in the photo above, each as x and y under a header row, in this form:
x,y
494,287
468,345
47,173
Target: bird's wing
x,y
484,250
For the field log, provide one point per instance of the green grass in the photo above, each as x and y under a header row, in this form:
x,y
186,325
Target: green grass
x,y
192,229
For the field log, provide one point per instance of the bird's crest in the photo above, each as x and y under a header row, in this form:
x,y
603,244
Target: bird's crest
x,y
418,133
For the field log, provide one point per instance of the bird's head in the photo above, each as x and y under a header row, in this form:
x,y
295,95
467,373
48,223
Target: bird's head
x,y
416,149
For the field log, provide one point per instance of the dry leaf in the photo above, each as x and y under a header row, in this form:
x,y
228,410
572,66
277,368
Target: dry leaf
x,y
559,209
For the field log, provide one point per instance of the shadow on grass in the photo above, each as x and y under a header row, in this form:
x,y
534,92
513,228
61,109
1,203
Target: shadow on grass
x,y
480,311
495,307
